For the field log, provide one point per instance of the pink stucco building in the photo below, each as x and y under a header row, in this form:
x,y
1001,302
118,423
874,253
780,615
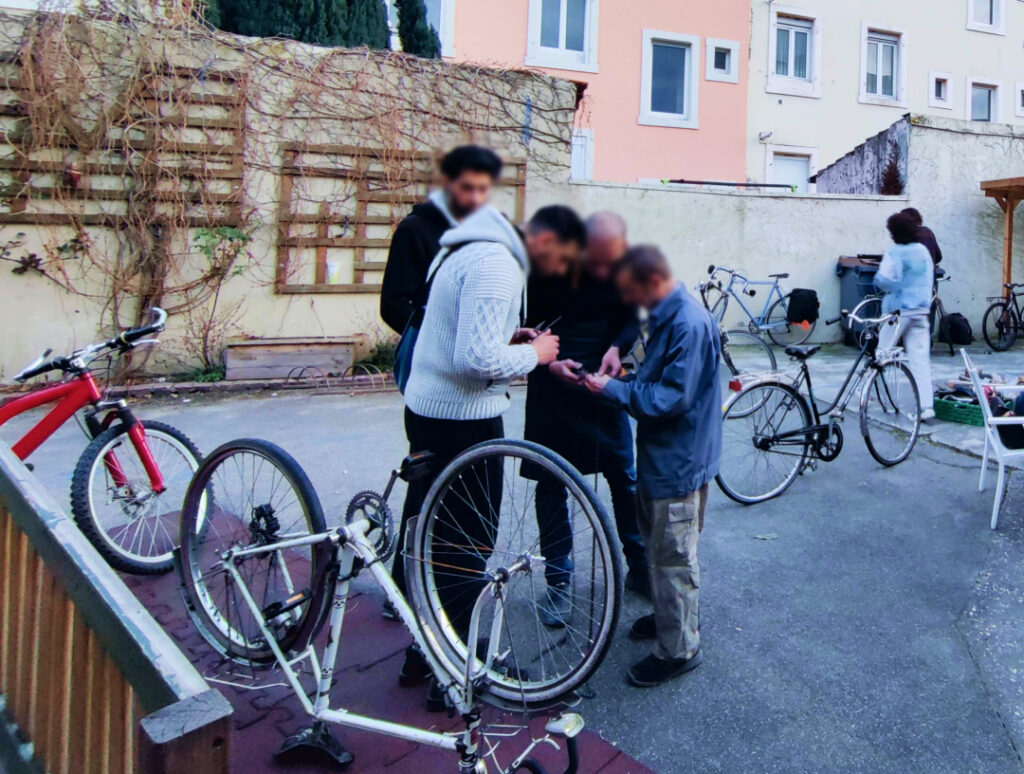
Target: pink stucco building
x,y
666,93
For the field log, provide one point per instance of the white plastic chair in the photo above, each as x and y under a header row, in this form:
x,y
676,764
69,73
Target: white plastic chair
x,y
993,443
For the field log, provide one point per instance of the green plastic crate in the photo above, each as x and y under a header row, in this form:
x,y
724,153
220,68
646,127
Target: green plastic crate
x,y
959,411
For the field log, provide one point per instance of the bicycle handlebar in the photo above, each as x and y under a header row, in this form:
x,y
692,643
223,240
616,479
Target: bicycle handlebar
x,y
81,357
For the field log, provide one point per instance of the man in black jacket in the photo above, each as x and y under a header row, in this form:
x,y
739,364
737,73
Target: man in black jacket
x,y
468,173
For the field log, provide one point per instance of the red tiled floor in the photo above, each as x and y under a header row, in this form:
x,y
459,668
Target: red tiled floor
x,y
365,683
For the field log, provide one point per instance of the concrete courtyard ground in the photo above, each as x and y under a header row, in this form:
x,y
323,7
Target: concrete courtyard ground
x,y
867,620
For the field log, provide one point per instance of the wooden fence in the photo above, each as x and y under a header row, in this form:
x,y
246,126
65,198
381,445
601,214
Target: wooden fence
x,y
89,682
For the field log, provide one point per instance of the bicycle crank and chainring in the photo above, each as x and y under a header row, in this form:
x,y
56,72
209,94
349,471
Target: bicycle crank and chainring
x,y
371,506
829,446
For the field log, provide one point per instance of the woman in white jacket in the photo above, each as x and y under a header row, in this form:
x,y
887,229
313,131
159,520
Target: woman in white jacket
x,y
907,275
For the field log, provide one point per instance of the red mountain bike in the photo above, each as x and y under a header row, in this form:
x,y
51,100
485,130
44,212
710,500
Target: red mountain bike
x,y
130,482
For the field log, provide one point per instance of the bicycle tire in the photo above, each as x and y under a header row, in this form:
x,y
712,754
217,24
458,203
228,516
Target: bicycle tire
x,y
446,646
786,335
911,409
198,518
739,484
84,496
999,326
868,309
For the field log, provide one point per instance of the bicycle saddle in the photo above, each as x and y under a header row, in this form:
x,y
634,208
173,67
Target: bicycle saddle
x,y
802,353
784,275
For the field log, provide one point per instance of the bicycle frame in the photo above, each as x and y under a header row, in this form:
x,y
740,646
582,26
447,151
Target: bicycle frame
x,y
353,552
71,396
774,294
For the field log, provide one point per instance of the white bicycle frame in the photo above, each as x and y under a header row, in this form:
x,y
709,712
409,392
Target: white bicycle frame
x,y
351,544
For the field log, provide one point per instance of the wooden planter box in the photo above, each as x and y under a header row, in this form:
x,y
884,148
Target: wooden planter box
x,y
279,358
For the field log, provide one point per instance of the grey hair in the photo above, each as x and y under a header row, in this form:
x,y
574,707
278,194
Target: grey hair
x,y
606,223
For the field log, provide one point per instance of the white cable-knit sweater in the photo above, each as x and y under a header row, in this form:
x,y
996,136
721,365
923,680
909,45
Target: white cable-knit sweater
x,y
462,362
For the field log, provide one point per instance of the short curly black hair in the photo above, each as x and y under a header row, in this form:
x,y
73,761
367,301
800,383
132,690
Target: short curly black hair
x,y
563,221
903,228
473,158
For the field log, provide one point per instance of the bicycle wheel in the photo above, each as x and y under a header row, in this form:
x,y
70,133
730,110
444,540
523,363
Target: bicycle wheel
x,y
890,413
783,332
514,504
763,448
132,526
251,493
744,353
868,309
999,326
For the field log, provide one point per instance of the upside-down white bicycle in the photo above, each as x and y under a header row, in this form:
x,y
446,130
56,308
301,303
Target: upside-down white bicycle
x,y
262,575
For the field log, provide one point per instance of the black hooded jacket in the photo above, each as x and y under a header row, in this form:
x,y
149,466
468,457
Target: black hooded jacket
x,y
414,246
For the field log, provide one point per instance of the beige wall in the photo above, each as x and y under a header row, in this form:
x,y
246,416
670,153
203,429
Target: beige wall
x,y
935,37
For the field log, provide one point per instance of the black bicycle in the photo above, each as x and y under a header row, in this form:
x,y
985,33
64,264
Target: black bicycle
x,y
772,432
1002,320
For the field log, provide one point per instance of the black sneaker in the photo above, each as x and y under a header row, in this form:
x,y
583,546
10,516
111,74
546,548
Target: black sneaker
x,y
639,582
643,628
437,700
415,669
654,671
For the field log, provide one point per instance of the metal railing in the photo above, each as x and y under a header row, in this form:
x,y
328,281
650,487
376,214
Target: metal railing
x,y
89,682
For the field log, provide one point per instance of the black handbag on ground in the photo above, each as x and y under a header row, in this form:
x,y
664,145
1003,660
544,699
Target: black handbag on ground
x,y
803,306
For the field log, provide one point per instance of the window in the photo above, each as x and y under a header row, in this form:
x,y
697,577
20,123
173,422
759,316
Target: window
x,y
582,166
986,16
792,166
940,90
883,60
1018,109
983,98
794,54
669,80
793,48
563,34
722,60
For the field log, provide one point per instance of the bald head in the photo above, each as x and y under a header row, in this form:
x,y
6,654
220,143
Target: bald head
x,y
606,243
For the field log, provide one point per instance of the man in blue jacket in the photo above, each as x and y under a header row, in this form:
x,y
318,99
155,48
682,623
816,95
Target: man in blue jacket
x,y
677,403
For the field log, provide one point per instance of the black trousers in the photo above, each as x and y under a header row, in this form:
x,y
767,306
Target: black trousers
x,y
459,524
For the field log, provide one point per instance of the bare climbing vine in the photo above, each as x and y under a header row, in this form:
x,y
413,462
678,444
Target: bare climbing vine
x,y
141,162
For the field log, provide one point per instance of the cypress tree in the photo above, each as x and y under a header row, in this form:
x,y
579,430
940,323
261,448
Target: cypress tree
x,y
320,22
417,35
367,24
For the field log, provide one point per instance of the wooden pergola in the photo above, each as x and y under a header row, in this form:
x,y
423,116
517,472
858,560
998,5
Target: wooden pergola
x,y
1008,193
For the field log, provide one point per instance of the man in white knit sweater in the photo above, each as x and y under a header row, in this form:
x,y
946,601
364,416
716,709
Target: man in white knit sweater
x,y
470,346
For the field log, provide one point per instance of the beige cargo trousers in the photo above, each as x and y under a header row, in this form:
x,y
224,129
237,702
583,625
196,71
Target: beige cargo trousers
x,y
671,529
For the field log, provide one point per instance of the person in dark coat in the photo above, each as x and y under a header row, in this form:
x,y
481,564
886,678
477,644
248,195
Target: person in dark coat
x,y
596,330
468,173
925,235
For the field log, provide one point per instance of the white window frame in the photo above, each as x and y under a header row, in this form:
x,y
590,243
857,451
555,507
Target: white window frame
x,y
585,138
782,84
933,101
1018,100
559,59
771,151
711,73
997,97
899,99
650,117
998,27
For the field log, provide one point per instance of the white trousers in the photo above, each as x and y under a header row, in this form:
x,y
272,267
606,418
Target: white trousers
x,y
914,334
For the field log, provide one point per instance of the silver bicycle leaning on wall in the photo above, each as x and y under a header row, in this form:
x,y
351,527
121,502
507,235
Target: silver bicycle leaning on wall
x,y
263,574
774,317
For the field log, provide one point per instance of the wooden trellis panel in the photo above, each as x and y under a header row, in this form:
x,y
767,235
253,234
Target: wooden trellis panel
x,y
180,152
339,204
